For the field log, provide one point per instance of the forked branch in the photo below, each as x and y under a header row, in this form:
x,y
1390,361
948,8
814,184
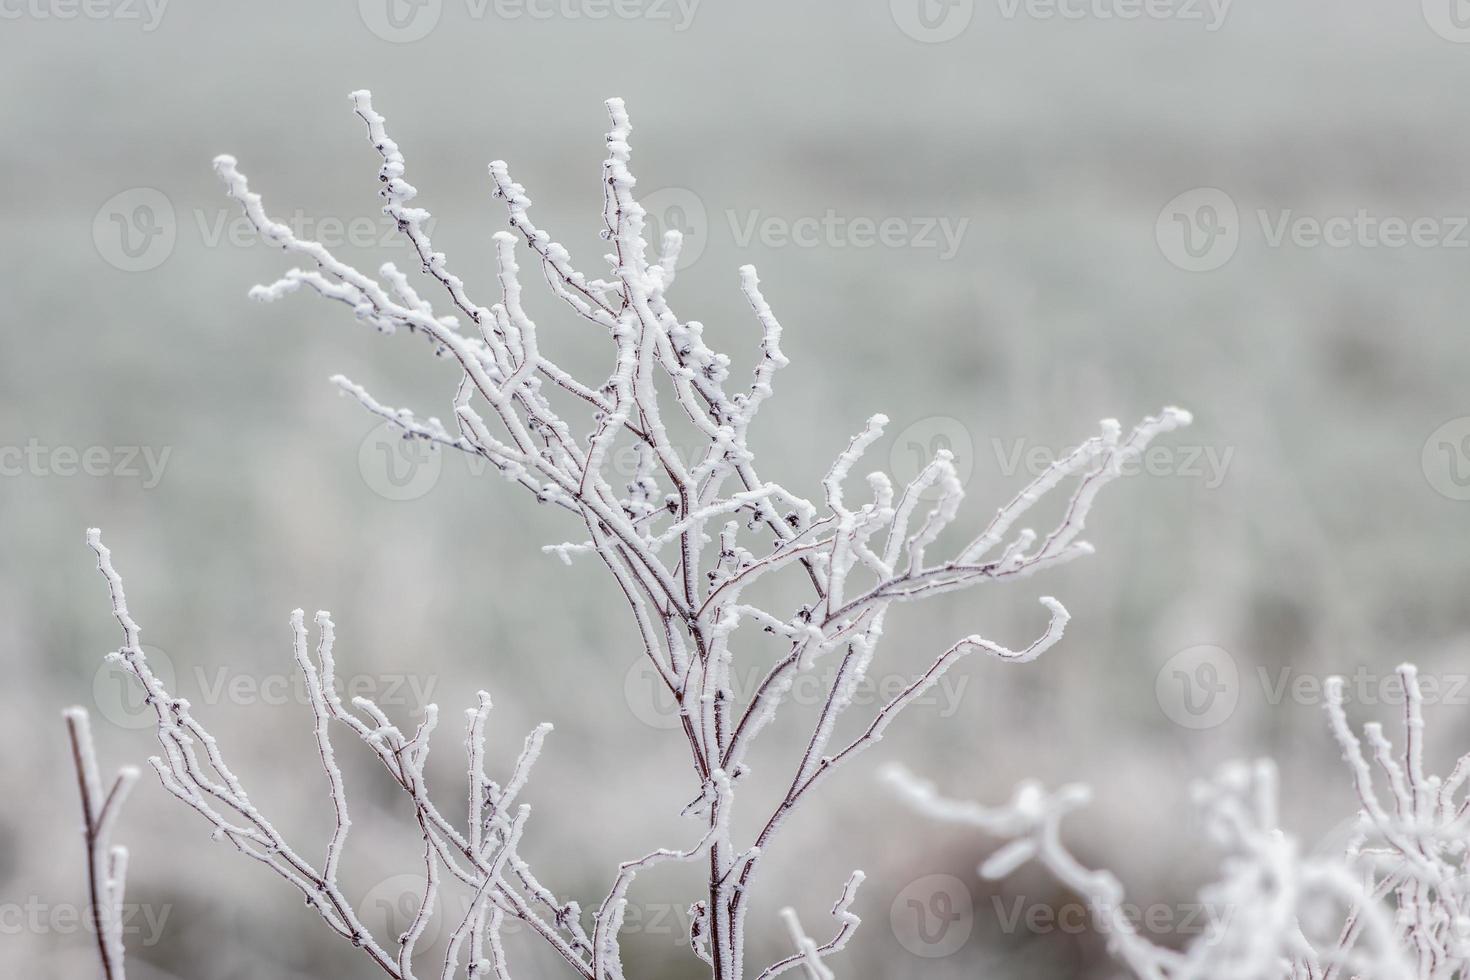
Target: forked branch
x,y
684,540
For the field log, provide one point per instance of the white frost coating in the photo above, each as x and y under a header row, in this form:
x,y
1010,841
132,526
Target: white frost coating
x,y
809,955
1104,455
107,865
1395,903
1054,629
684,540
477,857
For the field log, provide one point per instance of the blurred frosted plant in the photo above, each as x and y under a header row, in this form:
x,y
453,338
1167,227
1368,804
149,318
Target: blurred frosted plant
x,y
107,865
1395,903
684,540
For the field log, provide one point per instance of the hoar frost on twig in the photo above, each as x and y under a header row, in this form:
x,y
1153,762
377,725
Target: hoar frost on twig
x,y
684,541
107,864
1395,904
483,856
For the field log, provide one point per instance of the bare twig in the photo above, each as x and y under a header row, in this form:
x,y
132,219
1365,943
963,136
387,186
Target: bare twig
x,y
106,864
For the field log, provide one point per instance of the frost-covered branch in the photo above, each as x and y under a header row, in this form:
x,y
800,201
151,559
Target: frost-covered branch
x,y
107,864
684,541
809,954
193,768
1397,900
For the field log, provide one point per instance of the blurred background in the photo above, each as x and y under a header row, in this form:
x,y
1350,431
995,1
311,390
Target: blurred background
x,y
997,221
